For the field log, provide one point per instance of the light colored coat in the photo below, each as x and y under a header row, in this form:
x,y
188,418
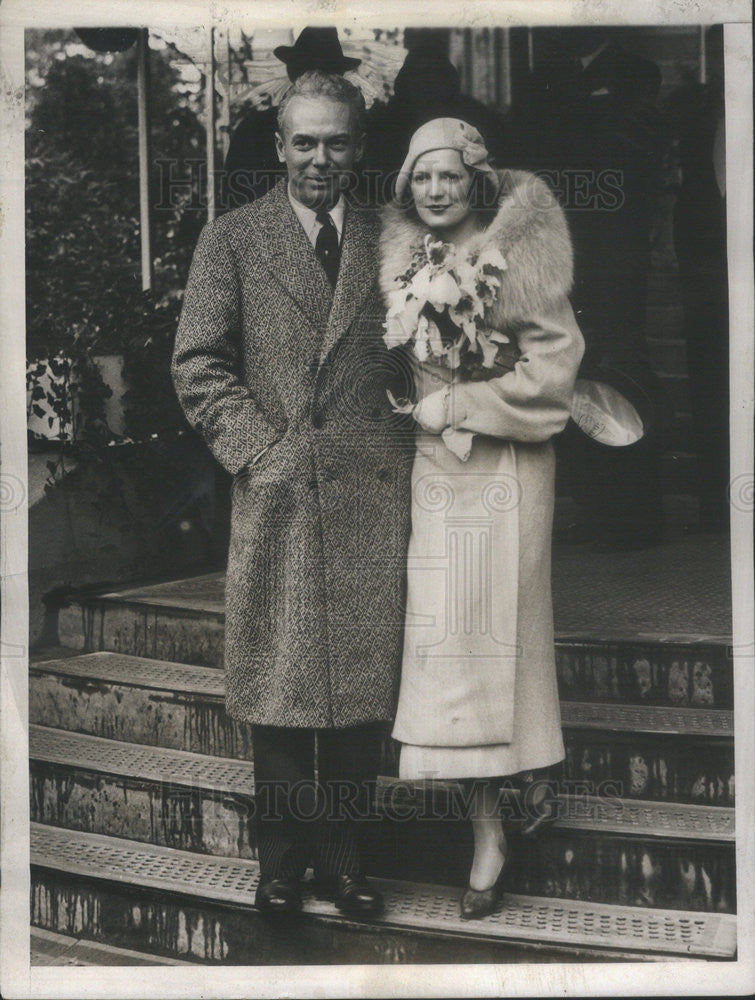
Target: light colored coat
x,y
478,666
275,368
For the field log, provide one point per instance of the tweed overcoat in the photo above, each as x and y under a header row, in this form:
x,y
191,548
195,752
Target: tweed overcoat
x,y
285,378
478,666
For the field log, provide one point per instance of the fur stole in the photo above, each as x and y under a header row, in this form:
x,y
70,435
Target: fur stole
x,y
530,230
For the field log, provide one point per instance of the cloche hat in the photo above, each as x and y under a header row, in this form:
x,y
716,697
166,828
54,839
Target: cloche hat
x,y
446,133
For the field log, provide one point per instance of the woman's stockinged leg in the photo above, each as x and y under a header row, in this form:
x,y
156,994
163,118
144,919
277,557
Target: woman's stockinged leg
x,y
490,845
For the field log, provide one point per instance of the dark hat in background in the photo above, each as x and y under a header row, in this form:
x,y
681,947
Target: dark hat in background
x,y
108,39
315,48
427,77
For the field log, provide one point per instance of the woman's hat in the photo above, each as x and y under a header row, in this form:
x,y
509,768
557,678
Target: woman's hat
x,y
315,48
446,133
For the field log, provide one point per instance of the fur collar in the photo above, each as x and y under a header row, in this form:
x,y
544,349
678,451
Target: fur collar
x,y
529,229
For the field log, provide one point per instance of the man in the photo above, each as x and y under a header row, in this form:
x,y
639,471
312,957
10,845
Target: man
x,y
251,166
280,365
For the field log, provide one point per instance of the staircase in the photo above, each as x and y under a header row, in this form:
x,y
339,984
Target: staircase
x,y
143,833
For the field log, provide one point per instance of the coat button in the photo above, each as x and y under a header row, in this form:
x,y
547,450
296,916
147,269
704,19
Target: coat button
x,y
318,421
384,475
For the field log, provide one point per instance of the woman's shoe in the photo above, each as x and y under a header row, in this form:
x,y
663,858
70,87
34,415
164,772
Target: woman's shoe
x,y
476,904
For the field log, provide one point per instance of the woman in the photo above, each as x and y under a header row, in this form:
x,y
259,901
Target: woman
x,y
478,697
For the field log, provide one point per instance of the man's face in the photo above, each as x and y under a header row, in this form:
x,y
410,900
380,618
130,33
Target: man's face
x,y
319,143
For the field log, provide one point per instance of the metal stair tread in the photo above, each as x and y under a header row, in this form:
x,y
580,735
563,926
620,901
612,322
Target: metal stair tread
x,y
201,595
228,776
409,906
648,818
137,760
137,671
597,814
661,719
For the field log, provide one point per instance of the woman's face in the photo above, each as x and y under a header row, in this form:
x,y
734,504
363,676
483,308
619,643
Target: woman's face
x,y
440,185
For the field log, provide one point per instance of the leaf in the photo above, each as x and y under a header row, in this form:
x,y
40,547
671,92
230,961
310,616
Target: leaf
x,y
37,410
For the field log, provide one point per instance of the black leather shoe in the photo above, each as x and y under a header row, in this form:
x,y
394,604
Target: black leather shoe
x,y
355,896
278,896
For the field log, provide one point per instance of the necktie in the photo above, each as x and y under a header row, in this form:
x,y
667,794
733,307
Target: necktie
x,y
326,246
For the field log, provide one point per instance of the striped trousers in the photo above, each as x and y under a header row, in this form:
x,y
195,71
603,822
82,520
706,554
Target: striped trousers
x,y
312,789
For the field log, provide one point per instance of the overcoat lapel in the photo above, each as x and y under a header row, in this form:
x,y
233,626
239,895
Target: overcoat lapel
x,y
292,261
356,276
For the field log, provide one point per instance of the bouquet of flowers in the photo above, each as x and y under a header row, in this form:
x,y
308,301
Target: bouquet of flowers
x,y
441,306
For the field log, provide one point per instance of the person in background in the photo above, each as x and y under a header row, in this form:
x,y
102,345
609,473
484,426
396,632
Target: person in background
x,y
589,123
427,86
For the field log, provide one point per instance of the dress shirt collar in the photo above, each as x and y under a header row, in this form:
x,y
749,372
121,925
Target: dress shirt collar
x,y
308,217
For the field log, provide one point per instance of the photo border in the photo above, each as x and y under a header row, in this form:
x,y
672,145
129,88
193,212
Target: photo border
x,y
17,978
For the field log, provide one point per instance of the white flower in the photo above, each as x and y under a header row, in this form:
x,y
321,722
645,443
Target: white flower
x,y
401,324
438,253
443,291
397,300
489,350
420,283
492,257
465,320
467,275
453,355
395,335
434,338
421,350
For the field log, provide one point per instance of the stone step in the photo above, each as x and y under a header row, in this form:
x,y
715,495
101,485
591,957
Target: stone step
x,y
181,621
138,700
180,904
204,804
48,948
672,674
159,632
657,689
569,862
658,767
151,794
